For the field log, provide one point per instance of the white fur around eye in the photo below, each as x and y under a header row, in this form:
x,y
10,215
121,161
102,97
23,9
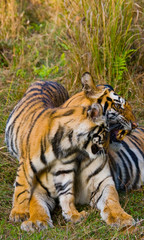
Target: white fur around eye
x,y
122,103
95,140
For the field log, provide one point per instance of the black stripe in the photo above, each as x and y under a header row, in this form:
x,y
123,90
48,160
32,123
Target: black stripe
x,y
98,187
70,151
135,160
69,161
69,112
63,94
135,143
70,136
22,193
115,171
109,87
142,129
42,156
33,167
25,118
56,142
26,177
90,161
26,199
52,113
49,206
18,184
57,92
89,135
99,197
65,193
26,107
101,194
87,142
34,89
70,100
127,160
98,170
126,176
105,108
84,110
44,187
134,138
11,142
33,124
109,99
60,187
64,172
99,100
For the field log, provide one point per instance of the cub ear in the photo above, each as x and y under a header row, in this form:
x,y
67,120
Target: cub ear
x,y
95,112
89,88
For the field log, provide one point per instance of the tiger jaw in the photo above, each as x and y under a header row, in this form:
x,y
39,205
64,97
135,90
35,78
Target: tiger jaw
x,y
119,131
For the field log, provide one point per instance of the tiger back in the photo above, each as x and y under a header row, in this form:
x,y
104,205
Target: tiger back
x,y
41,94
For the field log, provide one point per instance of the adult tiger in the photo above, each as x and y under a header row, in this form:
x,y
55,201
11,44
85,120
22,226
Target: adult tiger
x,y
117,110
126,159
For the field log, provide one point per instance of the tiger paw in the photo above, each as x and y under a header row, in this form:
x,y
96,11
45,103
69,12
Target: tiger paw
x,y
75,217
120,220
39,225
18,215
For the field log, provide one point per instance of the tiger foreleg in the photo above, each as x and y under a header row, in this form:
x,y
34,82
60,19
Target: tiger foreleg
x,y
40,207
69,210
64,184
112,213
96,187
20,208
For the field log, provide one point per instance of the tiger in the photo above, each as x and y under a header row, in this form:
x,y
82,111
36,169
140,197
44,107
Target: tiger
x,y
45,137
58,181
117,110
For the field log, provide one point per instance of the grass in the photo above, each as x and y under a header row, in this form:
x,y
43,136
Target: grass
x,y
58,40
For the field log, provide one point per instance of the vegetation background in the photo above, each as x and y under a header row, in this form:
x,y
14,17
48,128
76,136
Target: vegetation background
x,y
59,40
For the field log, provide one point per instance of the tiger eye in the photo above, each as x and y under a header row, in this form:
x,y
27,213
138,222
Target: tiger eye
x,y
94,148
118,106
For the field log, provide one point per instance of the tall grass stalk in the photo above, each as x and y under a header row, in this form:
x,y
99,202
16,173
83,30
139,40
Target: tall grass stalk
x,y
100,37
10,20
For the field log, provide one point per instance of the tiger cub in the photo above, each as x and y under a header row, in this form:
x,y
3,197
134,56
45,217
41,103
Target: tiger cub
x,y
58,180
51,138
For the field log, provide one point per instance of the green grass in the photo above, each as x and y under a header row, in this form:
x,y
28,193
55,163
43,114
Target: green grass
x,y
54,40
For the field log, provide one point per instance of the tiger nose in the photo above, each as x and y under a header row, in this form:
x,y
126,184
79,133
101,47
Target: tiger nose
x,y
134,125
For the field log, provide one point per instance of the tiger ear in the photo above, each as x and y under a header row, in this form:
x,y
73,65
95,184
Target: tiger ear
x,y
95,112
89,88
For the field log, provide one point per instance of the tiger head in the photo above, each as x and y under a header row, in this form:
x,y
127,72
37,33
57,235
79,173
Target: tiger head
x,y
119,113
92,131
